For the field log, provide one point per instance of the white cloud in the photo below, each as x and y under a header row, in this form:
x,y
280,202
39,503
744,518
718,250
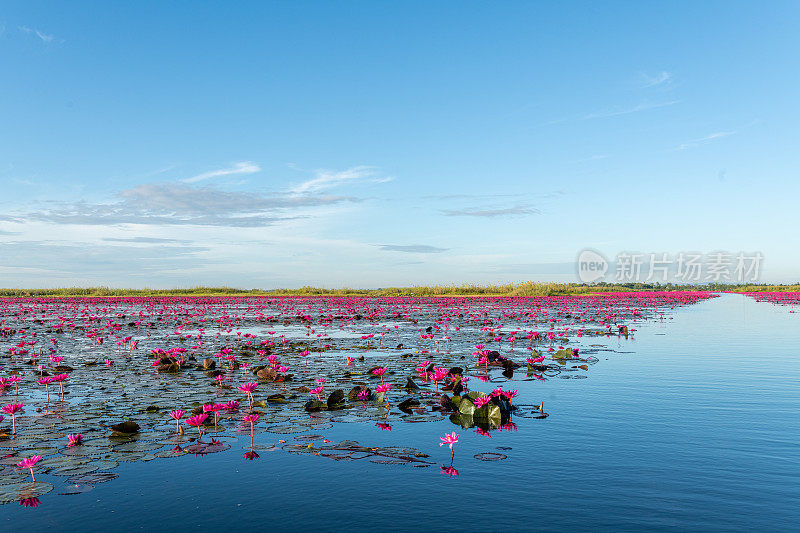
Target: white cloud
x,y
177,204
413,248
326,179
706,139
41,35
491,212
243,167
659,79
626,111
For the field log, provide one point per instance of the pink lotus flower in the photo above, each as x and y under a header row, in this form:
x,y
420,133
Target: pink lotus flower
x,y
438,375
75,439
316,391
363,395
248,389
197,421
29,463
12,409
213,408
177,414
480,401
383,388
60,379
449,440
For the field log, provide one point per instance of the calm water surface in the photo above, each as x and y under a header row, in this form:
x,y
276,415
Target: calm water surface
x,y
694,424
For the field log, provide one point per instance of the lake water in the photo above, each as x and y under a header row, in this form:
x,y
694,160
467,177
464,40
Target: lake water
x,y
691,424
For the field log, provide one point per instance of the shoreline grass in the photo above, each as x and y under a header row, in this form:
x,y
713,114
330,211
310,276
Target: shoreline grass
x,y
529,288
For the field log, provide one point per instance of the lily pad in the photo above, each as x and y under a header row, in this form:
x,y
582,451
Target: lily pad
x,y
26,489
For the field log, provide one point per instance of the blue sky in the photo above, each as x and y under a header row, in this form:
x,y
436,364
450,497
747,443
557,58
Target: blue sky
x,y
371,144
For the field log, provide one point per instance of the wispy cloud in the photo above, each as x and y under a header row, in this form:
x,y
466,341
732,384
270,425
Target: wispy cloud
x,y
490,212
41,35
326,179
177,204
244,167
662,78
413,248
626,111
83,259
464,196
469,196
146,240
704,140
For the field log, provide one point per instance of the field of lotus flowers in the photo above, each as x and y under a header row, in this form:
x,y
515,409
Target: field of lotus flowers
x,y
247,393
91,383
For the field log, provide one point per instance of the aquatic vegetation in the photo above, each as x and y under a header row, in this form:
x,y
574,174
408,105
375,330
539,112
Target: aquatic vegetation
x,y
197,421
450,439
177,415
29,463
60,379
184,356
12,409
75,439
379,372
251,419
248,389
46,382
481,401
780,298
